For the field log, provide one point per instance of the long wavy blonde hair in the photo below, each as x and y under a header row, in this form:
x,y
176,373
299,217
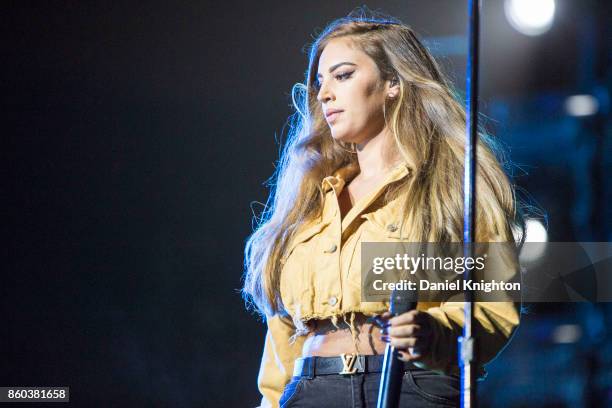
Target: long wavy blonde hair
x,y
428,127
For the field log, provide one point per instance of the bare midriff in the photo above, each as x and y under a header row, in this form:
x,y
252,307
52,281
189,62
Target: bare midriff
x,y
326,340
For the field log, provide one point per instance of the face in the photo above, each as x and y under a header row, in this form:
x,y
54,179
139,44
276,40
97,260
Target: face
x,y
351,86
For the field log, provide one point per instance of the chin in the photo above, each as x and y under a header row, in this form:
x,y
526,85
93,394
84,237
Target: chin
x,y
338,137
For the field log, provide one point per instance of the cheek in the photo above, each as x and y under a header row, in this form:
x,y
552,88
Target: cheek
x,y
363,109
363,103
370,100
370,112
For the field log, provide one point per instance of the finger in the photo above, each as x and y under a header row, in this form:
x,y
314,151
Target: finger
x,y
403,342
384,319
384,323
404,318
385,315
407,357
412,317
402,355
414,351
404,331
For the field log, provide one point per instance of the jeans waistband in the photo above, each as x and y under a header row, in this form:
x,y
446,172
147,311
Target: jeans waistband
x,y
345,364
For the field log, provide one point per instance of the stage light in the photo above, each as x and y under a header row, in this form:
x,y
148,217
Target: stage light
x,y
536,231
566,334
536,239
530,17
581,105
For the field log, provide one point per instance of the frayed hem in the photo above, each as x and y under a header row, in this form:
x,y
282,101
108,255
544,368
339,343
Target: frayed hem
x,y
348,317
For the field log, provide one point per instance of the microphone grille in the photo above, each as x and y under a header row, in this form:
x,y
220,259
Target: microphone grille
x,y
403,301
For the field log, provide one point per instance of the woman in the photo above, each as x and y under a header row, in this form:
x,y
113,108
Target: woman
x,y
375,154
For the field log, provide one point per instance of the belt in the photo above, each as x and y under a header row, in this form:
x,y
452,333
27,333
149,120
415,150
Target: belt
x,y
345,364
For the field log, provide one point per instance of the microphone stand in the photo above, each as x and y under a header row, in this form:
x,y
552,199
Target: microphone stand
x,y
467,344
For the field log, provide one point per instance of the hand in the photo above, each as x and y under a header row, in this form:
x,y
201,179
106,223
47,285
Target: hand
x,y
410,333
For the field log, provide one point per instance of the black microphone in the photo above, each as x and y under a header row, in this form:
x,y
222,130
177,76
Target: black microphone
x,y
402,301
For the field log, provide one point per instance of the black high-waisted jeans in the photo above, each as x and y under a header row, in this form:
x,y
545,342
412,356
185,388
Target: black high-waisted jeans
x,y
420,389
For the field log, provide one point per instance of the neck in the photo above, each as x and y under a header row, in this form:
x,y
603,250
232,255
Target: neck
x,y
372,157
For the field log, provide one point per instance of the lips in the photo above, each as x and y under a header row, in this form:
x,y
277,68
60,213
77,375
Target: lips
x,y
332,114
332,111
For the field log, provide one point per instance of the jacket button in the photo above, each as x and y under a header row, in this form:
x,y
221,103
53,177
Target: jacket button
x,y
333,300
331,249
391,227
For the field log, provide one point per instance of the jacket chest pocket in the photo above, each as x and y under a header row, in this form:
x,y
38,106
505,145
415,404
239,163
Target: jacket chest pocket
x,y
380,227
382,240
302,237
295,279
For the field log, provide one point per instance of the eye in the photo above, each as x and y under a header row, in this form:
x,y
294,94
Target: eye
x,y
342,76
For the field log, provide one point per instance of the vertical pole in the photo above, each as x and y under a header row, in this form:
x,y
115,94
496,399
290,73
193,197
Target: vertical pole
x,y
467,346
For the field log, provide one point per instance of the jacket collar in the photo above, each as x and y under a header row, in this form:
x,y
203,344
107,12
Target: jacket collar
x,y
340,177
345,174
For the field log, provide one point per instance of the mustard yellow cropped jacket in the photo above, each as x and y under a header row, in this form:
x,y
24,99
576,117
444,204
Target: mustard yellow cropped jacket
x,y
321,279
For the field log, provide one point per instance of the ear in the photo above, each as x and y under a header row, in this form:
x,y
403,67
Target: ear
x,y
394,87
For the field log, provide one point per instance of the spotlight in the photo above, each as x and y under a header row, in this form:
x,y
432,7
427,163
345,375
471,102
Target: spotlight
x,y
566,334
535,231
581,105
530,17
536,239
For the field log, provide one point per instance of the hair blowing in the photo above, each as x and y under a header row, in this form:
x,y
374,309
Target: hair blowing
x,y
428,128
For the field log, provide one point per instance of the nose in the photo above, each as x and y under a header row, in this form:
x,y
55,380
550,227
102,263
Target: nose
x,y
325,94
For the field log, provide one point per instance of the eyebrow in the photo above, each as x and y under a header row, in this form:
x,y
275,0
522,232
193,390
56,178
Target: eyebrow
x,y
333,67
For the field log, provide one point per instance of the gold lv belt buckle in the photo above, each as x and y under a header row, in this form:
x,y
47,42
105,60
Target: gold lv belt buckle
x,y
348,363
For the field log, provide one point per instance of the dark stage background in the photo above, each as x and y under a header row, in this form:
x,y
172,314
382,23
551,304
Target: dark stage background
x,y
135,143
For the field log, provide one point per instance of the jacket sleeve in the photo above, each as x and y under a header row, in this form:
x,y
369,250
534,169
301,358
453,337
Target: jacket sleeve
x,y
494,324
278,358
